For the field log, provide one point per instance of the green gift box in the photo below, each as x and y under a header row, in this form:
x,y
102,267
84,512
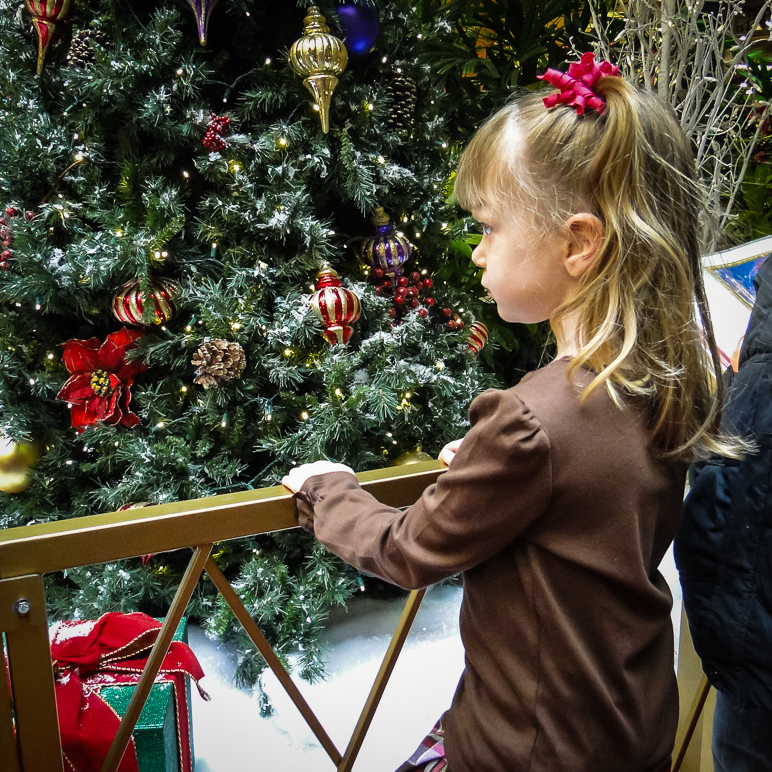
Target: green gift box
x,y
163,736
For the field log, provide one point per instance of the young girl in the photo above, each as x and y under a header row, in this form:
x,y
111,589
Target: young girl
x,y
562,499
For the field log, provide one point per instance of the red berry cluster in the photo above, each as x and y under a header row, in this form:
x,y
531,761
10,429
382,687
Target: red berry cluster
x,y
405,290
218,125
7,236
454,321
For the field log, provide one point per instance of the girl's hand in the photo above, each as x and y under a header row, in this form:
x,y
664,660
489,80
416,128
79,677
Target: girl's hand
x,y
298,475
448,453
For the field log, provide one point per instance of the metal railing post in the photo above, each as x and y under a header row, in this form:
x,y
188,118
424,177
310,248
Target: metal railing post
x,y
24,620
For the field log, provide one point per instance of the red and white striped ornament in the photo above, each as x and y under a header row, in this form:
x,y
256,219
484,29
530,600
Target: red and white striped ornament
x,y
130,301
335,306
478,336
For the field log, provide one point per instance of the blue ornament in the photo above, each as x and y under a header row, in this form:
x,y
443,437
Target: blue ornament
x,y
360,24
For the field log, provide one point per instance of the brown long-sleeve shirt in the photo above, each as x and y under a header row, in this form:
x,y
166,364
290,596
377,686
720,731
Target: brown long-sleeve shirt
x,y
558,516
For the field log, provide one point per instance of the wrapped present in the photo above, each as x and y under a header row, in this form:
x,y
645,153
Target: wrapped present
x,y
98,664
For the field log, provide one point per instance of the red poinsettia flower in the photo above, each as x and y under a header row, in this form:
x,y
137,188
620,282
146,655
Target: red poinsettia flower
x,y
100,386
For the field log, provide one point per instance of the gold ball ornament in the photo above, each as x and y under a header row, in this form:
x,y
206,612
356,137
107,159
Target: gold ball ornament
x,y
478,337
130,302
416,456
319,57
16,462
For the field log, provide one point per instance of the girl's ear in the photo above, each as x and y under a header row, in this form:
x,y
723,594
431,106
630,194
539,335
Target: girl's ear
x,y
585,238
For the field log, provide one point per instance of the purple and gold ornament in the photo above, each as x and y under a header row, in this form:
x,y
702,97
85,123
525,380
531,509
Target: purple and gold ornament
x,y
130,302
388,249
47,18
202,9
335,306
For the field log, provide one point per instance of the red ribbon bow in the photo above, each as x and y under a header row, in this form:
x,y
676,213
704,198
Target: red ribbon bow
x,y
84,653
576,85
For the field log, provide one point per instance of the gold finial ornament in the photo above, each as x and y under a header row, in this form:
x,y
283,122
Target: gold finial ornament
x,y
319,57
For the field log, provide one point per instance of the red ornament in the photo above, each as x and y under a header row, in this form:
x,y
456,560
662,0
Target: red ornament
x,y
47,17
130,302
335,306
478,336
100,386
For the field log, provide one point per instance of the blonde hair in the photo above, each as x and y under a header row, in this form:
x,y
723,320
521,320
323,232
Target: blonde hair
x,y
632,168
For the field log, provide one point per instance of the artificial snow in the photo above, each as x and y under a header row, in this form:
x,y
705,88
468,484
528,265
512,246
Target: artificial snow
x,y
230,735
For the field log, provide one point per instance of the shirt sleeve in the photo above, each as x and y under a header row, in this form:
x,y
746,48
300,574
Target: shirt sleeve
x,y
498,484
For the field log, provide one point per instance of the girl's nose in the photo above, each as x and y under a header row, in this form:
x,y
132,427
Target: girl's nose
x,y
478,256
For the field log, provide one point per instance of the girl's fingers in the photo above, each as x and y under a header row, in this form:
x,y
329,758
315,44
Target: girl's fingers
x,y
297,476
448,453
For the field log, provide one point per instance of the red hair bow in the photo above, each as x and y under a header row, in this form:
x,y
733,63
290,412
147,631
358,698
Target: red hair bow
x,y
576,85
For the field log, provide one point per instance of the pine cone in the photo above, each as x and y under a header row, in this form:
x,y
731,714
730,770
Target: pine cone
x,y
81,51
218,360
402,96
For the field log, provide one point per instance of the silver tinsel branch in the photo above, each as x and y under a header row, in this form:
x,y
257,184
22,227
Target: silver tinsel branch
x,y
698,61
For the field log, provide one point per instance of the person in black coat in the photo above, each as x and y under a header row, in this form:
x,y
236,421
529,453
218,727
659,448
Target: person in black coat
x,y
724,556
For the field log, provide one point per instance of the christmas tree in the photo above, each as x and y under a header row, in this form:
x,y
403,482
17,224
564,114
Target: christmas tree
x,y
209,273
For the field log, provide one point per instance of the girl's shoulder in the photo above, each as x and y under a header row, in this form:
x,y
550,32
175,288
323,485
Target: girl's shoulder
x,y
555,397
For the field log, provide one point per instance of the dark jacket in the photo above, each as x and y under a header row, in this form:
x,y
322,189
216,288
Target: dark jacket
x,y
724,547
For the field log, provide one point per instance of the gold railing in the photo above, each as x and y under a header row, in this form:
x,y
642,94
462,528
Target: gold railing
x,y
27,553
29,728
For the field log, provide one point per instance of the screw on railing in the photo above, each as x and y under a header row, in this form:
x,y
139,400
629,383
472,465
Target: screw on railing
x,y
22,607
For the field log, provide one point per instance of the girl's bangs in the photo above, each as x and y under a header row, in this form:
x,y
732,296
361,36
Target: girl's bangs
x,y
478,170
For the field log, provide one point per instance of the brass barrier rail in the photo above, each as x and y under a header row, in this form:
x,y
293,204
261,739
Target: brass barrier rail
x,y
29,728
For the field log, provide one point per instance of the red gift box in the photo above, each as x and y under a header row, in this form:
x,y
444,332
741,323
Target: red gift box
x,y
94,657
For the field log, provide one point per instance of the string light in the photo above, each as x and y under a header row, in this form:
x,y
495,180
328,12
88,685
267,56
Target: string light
x,y
304,415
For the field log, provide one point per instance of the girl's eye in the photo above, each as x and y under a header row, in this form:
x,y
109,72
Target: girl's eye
x,y
486,229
